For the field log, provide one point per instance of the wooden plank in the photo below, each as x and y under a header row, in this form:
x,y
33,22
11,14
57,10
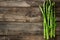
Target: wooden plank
x,y
14,28
19,4
20,11
26,3
26,37
20,26
58,26
57,38
20,14
30,37
23,4
31,14
17,28
21,0
24,19
25,0
18,18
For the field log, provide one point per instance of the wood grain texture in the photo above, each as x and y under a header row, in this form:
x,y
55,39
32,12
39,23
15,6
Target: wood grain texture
x,y
24,3
17,28
25,37
20,14
22,20
27,0
19,4
22,37
31,14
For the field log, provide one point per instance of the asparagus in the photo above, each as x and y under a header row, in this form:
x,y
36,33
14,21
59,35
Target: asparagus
x,y
49,21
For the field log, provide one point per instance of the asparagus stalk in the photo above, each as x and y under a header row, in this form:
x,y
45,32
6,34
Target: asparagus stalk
x,y
49,21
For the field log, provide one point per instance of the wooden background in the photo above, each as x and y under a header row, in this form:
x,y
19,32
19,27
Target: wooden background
x,y
22,20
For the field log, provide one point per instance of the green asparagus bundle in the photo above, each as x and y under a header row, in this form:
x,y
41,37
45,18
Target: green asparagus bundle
x,y
49,19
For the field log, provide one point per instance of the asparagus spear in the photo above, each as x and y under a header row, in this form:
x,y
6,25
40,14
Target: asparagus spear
x,y
49,19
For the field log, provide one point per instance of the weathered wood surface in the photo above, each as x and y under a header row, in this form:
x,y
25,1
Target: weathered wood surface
x,y
22,20
29,37
20,14
17,28
31,14
23,37
23,3
19,4
27,0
